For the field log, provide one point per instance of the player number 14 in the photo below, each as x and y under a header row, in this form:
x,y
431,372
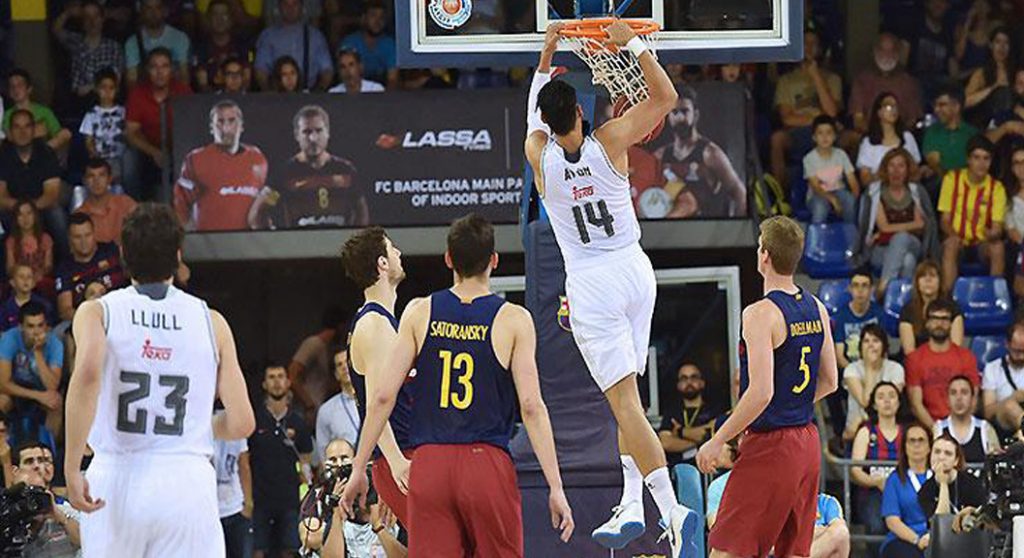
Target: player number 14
x,y
598,218
463,365
804,351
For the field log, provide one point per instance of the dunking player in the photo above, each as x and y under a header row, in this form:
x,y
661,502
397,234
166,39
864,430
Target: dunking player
x,y
609,280
473,353
787,364
151,360
373,262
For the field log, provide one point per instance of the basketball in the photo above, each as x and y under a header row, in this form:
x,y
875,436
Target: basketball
x,y
622,104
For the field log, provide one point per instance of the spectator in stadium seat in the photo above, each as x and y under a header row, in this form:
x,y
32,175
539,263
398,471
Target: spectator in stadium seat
x,y
89,50
861,376
104,125
945,142
832,182
897,219
885,132
934,364
350,74
684,429
904,518
31,358
878,438
279,449
974,35
233,77
931,45
975,435
45,125
375,46
23,282
801,95
927,287
1009,123
988,89
296,38
973,207
89,262
951,488
146,102
310,370
338,417
153,33
886,76
27,244
106,209
1013,181
1003,382
286,76
850,319
220,43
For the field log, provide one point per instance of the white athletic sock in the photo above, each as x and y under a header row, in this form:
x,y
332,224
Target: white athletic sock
x,y
661,489
632,482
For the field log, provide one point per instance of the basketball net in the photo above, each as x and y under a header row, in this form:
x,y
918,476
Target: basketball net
x,y
614,68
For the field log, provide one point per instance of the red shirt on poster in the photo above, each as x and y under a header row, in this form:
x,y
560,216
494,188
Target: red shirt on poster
x,y
932,371
217,188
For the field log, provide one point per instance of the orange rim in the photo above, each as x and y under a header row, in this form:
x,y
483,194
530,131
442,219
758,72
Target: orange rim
x,y
594,28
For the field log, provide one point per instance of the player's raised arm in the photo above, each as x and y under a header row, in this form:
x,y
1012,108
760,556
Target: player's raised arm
x,y
828,369
535,414
83,392
537,132
237,421
618,134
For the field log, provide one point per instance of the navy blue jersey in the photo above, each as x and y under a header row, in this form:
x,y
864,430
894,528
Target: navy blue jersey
x,y
797,361
402,413
463,394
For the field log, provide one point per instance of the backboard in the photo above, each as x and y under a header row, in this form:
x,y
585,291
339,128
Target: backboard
x,y
474,33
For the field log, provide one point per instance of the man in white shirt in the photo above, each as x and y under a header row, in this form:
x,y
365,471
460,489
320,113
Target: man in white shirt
x,y
234,495
1002,382
350,70
338,417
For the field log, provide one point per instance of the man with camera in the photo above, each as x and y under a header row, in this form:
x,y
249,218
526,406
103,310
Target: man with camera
x,y
371,534
55,532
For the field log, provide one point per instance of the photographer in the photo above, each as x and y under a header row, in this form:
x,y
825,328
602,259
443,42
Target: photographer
x,y
55,534
373,533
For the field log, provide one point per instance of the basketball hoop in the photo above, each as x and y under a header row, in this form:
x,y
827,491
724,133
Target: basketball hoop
x,y
612,67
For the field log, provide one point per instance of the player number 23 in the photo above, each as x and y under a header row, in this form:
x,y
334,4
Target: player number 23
x,y
804,351
135,423
462,363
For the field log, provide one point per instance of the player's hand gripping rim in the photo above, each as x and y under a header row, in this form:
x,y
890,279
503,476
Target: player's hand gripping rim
x,y
78,494
355,492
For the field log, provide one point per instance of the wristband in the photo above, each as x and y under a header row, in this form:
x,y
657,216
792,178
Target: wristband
x,y
378,529
636,46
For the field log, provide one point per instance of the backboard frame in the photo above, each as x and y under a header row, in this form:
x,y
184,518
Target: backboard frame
x,y
784,42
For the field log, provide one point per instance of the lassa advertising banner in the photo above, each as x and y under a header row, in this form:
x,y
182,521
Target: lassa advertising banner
x,y
271,161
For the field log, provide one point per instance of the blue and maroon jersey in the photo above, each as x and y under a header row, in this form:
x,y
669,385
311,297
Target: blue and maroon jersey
x,y
402,413
463,393
796,363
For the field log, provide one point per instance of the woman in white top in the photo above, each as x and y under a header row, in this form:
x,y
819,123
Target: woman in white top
x,y
1013,181
861,376
885,131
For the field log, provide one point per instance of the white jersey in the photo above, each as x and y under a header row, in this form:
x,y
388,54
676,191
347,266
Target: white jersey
x,y
230,497
588,202
160,375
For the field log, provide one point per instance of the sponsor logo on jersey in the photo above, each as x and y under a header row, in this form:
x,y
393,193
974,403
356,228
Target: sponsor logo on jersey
x,y
450,14
250,191
563,314
155,353
467,140
579,192
571,173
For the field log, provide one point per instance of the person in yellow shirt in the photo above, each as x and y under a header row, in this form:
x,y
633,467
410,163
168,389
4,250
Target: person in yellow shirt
x,y
973,206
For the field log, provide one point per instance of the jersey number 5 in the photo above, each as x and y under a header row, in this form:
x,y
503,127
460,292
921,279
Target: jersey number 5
x,y
605,219
462,363
136,424
804,351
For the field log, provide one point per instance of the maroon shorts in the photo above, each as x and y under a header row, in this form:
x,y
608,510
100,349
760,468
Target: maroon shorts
x,y
464,502
388,491
771,497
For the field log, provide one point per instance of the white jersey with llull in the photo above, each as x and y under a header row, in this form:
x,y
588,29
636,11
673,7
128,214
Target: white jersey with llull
x,y
588,202
160,375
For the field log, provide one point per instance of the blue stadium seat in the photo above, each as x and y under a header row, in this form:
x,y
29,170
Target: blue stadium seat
x,y
798,194
690,491
973,268
987,348
834,294
897,293
985,303
828,250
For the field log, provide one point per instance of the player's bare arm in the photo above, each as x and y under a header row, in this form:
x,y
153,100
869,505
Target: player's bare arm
x,y
83,392
828,369
718,162
763,330
523,364
537,132
237,421
375,331
619,134
381,401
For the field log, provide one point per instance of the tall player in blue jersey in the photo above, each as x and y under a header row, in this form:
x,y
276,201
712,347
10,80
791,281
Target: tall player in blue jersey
x,y
787,364
374,264
474,354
